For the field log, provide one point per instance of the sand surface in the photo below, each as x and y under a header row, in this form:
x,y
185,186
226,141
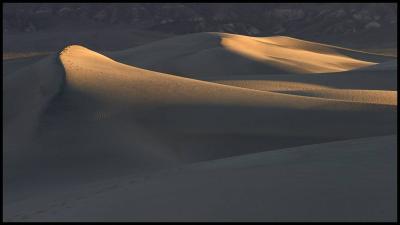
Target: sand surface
x,y
79,118
352,180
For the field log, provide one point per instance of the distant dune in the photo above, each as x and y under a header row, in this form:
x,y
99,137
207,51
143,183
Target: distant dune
x,y
203,54
80,116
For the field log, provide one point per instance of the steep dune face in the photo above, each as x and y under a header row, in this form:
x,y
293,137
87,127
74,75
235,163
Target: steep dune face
x,y
206,54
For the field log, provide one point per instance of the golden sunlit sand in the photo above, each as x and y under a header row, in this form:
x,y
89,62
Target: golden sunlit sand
x,y
384,97
292,54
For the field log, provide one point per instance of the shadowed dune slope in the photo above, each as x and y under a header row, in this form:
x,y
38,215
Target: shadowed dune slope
x,y
26,93
353,180
205,54
10,65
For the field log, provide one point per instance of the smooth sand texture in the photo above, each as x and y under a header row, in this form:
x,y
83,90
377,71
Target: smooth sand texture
x,y
292,54
353,180
79,117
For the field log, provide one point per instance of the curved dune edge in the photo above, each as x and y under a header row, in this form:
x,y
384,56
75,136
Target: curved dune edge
x,y
383,97
365,96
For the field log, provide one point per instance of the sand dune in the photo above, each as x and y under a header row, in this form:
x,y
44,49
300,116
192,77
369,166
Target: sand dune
x,y
95,74
79,116
355,79
105,103
102,78
204,54
291,54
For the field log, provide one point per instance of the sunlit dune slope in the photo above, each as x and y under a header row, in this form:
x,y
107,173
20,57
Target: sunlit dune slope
x,y
385,97
204,54
106,80
292,54
299,44
96,74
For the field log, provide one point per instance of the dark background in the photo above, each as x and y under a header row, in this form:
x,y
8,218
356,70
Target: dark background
x,y
112,26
